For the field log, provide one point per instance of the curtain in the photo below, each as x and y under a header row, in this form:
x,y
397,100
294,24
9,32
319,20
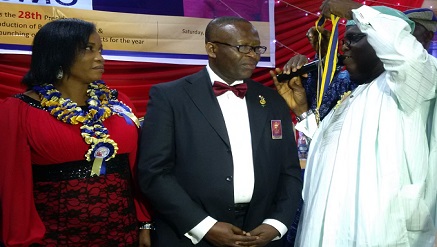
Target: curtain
x,y
292,20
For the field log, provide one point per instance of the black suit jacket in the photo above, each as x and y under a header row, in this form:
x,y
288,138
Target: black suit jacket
x,y
185,159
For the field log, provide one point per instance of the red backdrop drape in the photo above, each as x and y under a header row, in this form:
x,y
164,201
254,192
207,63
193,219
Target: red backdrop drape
x,y
292,20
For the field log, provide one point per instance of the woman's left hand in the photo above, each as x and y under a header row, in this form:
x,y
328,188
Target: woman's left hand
x,y
145,238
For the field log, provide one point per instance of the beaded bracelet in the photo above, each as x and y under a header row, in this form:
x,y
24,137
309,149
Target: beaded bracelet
x,y
146,226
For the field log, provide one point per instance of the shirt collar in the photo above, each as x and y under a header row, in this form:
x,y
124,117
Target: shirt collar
x,y
214,77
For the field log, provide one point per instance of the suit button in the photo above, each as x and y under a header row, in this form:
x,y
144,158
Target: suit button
x,y
229,151
229,178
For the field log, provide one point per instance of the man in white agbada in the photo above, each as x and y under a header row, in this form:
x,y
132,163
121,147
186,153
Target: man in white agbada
x,y
368,180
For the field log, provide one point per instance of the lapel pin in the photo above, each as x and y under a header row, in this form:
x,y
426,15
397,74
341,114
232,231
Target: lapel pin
x,y
262,100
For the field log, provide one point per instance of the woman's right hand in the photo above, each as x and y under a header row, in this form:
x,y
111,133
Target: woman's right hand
x,y
313,38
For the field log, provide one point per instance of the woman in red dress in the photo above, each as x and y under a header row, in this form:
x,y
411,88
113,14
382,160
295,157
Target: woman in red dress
x,y
69,146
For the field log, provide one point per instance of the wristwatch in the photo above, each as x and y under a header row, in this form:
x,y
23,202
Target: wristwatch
x,y
304,115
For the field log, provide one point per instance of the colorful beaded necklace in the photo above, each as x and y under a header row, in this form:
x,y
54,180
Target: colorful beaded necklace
x,y
102,103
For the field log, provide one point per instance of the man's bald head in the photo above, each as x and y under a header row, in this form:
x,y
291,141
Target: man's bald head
x,y
216,26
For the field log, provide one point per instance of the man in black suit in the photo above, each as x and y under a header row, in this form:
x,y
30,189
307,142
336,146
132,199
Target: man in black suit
x,y
220,167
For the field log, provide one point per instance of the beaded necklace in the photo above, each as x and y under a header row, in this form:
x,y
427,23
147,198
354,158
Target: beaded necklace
x,y
101,105
342,98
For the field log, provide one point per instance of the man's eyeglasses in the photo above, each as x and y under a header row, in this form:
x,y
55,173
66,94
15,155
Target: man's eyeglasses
x,y
352,39
246,49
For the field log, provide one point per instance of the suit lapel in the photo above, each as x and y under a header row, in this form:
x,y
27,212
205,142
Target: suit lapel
x,y
199,89
257,111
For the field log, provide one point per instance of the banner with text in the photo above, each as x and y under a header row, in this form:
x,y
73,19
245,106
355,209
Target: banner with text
x,y
137,30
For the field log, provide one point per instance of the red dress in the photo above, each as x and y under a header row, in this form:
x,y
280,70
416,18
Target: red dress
x,y
46,194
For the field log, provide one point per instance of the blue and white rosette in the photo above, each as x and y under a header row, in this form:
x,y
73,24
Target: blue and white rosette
x,y
102,151
125,112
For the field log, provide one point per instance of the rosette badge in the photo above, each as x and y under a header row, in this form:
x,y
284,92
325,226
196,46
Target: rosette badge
x,y
101,152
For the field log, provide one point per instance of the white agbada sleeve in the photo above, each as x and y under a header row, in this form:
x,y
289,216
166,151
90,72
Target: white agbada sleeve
x,y
308,126
404,58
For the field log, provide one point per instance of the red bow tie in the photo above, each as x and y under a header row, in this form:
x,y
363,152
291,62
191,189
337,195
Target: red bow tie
x,y
221,88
